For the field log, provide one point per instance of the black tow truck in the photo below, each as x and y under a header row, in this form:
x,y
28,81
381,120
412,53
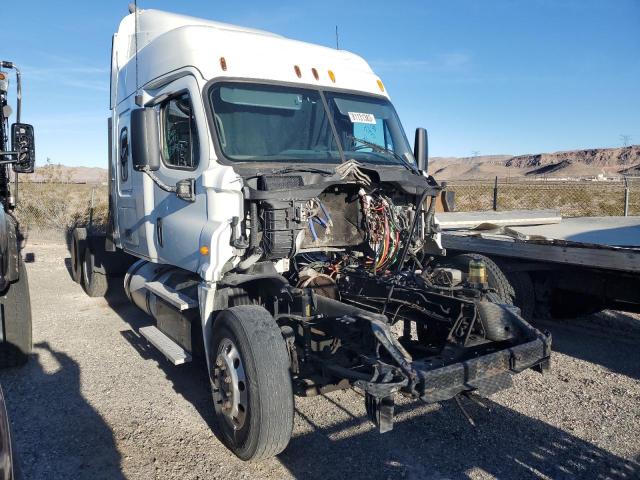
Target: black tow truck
x,y
15,304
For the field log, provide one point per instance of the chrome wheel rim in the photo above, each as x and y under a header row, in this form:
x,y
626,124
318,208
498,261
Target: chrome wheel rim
x,y
231,384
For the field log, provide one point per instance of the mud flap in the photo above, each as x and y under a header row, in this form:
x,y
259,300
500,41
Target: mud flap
x,y
380,411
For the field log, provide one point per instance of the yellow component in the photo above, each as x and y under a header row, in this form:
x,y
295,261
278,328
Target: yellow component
x,y
296,68
204,250
2,76
223,64
332,76
477,272
381,85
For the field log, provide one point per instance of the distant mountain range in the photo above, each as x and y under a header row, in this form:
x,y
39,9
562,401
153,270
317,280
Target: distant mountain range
x,y
571,164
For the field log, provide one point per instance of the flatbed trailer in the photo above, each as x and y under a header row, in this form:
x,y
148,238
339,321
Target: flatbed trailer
x,y
574,266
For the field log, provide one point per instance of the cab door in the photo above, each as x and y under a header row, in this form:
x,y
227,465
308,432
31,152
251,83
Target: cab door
x,y
185,153
129,184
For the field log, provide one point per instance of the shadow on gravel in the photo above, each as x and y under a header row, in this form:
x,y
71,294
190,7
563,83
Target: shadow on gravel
x,y
67,265
609,338
438,444
441,444
191,380
56,432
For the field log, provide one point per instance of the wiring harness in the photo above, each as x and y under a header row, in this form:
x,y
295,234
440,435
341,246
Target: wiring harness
x,y
384,225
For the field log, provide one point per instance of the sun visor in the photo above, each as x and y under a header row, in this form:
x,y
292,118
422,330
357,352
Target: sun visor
x,y
261,98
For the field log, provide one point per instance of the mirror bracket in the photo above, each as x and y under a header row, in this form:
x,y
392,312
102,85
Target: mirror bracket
x,y
186,189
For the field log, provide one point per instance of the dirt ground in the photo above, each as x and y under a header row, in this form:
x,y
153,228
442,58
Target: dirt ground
x,y
97,402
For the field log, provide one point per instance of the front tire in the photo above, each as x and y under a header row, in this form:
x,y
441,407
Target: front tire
x,y
252,391
16,317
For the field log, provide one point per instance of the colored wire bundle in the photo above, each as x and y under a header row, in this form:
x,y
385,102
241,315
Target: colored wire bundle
x,y
383,229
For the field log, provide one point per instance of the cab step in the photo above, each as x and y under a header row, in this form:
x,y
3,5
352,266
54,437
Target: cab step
x,y
170,349
174,297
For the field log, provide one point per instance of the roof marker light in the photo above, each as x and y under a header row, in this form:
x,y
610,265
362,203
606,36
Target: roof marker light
x,y
223,64
332,76
381,85
315,74
298,71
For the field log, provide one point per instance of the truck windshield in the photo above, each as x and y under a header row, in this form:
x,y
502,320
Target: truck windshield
x,y
277,123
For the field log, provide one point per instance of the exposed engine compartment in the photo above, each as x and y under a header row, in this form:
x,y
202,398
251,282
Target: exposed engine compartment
x,y
373,219
348,265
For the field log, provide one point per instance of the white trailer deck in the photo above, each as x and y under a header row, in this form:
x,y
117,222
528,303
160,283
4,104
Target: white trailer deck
x,y
600,242
569,266
604,231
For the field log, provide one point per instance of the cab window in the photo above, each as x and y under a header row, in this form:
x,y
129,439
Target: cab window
x,y
180,136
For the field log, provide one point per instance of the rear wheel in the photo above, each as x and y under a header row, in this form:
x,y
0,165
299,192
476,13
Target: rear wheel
x,y
252,390
94,282
78,241
16,318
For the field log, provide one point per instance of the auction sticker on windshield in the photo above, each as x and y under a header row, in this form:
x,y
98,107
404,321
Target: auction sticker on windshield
x,y
357,117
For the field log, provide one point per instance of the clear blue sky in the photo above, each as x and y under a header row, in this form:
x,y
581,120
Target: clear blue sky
x,y
490,76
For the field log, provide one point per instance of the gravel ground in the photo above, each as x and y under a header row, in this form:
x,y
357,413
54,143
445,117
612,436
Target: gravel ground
x,y
97,402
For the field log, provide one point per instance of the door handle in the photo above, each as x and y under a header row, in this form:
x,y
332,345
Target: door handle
x,y
159,232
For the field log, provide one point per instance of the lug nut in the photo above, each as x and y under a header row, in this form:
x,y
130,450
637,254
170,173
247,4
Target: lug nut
x,y
227,379
219,362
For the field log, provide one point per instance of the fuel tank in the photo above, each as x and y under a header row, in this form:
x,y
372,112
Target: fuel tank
x,y
141,284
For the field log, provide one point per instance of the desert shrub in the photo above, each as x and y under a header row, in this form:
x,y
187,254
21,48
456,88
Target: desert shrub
x,y
59,206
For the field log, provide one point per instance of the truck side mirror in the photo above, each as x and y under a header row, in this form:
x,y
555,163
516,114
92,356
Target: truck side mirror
x,y
23,143
421,149
145,139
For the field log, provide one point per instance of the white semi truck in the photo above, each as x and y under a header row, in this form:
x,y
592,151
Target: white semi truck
x,y
270,216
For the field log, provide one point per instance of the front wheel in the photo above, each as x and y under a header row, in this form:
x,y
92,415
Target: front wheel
x,y
252,390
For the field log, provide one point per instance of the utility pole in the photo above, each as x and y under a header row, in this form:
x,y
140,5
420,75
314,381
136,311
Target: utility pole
x,y
475,153
625,139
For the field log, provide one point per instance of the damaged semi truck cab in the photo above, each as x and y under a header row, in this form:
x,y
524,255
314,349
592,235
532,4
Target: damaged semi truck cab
x,y
279,223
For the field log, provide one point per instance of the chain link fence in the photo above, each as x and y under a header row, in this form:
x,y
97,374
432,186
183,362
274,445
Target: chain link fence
x,y
572,198
53,208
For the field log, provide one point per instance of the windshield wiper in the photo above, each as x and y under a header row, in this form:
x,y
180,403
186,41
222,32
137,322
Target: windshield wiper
x,y
380,149
302,169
